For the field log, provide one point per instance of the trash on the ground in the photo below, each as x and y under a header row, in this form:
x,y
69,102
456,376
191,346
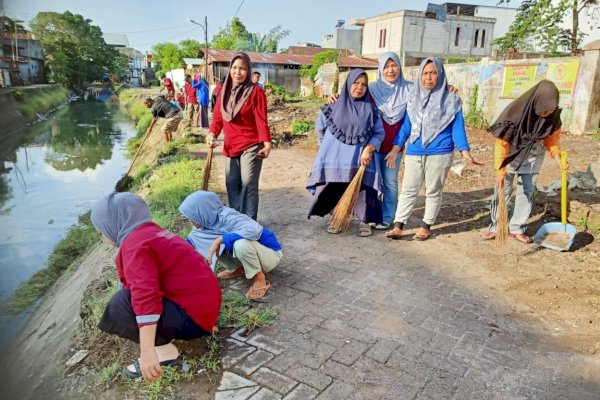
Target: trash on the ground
x,y
185,367
77,358
458,168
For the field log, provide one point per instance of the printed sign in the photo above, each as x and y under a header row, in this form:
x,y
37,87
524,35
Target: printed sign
x,y
517,80
564,76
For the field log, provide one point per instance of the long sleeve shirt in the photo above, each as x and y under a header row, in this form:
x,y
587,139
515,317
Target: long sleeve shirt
x,y
248,128
267,238
154,264
502,149
454,135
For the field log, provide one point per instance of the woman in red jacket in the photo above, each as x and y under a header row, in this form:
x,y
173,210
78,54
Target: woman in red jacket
x,y
241,113
169,292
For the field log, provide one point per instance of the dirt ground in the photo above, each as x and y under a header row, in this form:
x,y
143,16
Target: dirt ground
x,y
560,290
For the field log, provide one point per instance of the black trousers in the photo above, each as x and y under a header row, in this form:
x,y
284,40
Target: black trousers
x,y
119,319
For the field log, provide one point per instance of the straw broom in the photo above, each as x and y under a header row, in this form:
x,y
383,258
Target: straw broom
x,y
341,214
207,166
501,220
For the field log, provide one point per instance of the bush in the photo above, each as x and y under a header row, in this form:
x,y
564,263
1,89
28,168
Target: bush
x,y
319,59
276,90
301,127
19,95
474,116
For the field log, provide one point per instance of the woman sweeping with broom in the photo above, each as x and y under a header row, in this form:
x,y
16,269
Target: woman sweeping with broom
x,y
349,132
525,130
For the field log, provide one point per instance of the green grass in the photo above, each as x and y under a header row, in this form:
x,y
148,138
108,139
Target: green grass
x,y
93,308
256,318
108,374
143,123
300,127
236,312
40,102
80,238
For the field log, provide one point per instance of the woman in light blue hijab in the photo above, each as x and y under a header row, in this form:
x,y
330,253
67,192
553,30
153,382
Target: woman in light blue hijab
x,y
390,93
433,127
237,241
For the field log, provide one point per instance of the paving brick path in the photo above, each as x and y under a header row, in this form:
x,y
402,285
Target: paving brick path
x,y
368,318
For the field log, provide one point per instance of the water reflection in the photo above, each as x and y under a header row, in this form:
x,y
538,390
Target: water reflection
x,y
51,173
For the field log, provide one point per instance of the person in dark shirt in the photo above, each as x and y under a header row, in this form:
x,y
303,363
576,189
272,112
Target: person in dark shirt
x,y
162,108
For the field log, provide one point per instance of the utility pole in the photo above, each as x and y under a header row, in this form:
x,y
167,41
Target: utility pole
x,y
205,28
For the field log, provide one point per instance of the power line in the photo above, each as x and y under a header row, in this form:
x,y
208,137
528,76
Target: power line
x,y
165,39
238,10
156,30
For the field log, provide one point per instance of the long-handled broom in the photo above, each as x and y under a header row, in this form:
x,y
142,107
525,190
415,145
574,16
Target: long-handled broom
x,y
501,219
125,182
341,214
207,166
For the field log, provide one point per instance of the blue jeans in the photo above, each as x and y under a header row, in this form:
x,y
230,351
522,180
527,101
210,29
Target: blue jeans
x,y
390,187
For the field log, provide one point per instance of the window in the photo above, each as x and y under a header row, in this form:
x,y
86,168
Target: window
x,y
457,36
382,37
483,38
475,42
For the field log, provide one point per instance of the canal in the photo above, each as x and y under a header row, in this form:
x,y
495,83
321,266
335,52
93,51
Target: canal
x,y
50,173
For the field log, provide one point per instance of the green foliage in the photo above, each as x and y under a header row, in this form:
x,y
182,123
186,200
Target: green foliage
x,y
19,95
257,318
235,36
74,48
319,59
474,115
276,90
232,306
189,48
144,123
9,25
167,56
461,59
539,20
80,238
300,127
42,102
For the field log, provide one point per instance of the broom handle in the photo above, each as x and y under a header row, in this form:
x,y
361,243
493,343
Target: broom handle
x,y
138,151
563,187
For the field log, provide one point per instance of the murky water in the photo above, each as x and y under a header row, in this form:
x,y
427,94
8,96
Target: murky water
x,y
50,174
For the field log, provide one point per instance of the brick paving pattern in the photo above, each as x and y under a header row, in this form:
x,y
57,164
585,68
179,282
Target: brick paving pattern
x,y
366,318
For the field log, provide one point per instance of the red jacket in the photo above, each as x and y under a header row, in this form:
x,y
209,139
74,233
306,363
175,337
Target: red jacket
x,y
154,263
190,93
248,128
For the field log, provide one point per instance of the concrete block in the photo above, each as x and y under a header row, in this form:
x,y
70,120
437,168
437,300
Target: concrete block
x,y
273,380
231,381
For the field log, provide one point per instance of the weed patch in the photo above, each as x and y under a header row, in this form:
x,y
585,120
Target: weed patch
x,y
301,127
42,102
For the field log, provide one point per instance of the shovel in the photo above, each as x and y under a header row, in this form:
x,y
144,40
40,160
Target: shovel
x,y
558,235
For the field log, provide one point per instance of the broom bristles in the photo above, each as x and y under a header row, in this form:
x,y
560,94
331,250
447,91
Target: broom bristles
x,y
341,214
206,172
501,219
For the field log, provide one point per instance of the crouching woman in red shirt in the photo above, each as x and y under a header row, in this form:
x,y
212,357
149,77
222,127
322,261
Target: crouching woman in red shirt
x,y
169,292
241,113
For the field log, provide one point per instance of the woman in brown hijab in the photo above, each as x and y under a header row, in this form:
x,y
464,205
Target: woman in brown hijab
x,y
241,113
525,130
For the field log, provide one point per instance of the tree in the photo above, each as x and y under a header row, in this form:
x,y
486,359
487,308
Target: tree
x,y
74,48
8,25
168,56
235,36
189,48
539,20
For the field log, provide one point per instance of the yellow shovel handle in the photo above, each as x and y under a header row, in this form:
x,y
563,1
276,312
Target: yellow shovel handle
x,y
563,188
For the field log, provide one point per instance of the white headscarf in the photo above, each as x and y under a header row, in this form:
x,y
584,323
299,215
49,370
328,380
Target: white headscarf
x,y
431,111
390,98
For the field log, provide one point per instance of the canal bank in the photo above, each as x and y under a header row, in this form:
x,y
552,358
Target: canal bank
x,y
48,339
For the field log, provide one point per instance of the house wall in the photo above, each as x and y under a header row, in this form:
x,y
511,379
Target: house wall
x,y
343,39
414,37
583,115
504,18
277,74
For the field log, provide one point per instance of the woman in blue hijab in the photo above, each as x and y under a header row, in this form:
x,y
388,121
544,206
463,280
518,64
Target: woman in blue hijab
x,y
237,241
349,132
433,127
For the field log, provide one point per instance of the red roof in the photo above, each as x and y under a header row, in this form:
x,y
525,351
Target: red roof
x,y
223,56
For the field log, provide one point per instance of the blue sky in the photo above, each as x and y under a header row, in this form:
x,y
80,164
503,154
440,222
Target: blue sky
x,y
161,21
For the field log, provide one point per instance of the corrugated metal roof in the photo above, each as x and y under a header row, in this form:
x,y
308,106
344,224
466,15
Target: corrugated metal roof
x,y
193,61
288,59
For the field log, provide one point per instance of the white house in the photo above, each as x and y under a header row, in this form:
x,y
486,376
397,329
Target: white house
x,y
415,35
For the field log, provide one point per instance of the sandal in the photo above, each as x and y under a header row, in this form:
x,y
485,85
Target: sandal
x,y
489,235
138,370
395,234
382,226
520,237
422,234
231,274
364,230
332,230
257,293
